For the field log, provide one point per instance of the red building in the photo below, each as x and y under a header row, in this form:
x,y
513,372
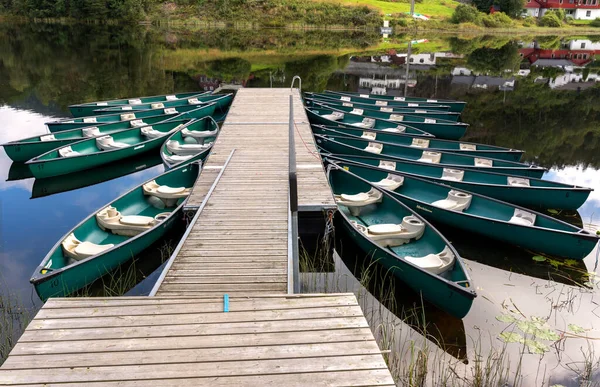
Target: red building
x,y
578,9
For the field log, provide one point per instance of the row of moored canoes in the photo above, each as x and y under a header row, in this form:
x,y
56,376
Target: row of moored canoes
x,y
395,163
100,133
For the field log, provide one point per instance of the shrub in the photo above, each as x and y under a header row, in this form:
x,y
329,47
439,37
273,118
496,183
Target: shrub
x,y
595,22
466,14
497,20
550,20
529,21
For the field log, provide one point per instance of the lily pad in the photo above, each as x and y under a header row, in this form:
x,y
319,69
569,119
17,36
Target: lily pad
x,y
538,328
571,262
535,346
511,337
507,318
538,258
576,328
553,211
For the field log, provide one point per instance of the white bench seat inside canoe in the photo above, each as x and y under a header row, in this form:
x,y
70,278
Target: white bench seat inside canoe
x,y
199,134
456,201
453,174
174,159
78,250
168,195
434,263
334,116
47,137
389,234
90,132
109,143
177,148
367,123
67,152
430,157
109,218
151,133
391,182
357,201
522,217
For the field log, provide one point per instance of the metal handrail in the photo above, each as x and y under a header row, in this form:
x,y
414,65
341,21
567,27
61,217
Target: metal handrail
x,y
293,254
299,82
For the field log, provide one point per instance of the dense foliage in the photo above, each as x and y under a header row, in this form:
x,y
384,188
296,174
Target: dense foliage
x,y
466,14
512,8
88,9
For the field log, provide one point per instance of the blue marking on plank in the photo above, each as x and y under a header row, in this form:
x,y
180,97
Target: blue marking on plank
x,y
226,303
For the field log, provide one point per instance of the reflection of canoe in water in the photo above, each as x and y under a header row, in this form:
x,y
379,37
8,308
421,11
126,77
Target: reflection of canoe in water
x,y
378,103
191,111
19,171
186,146
114,234
480,214
434,144
442,328
221,102
368,109
526,192
444,129
102,150
28,148
87,109
455,106
64,183
344,145
403,242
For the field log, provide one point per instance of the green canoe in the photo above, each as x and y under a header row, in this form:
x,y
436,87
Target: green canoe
x,y
402,241
464,148
455,106
335,118
192,111
526,192
479,214
441,129
377,103
373,111
102,150
28,148
188,145
87,109
76,180
222,101
343,145
114,234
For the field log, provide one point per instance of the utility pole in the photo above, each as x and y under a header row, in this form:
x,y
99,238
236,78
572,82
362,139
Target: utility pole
x,y
407,66
412,8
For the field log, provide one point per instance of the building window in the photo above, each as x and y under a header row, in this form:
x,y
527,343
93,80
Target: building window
x,y
588,13
584,56
571,1
560,1
583,44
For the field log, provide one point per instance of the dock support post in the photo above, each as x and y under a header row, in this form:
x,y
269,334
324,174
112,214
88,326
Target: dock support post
x,y
293,200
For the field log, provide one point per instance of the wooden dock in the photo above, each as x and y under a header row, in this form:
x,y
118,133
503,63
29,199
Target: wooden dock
x,y
220,312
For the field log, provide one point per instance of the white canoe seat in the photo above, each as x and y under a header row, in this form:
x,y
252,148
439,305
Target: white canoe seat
x,y
356,202
357,111
420,143
174,159
67,152
430,157
483,162
78,250
109,218
517,181
469,147
135,101
157,105
89,119
137,123
393,234
367,123
396,117
102,104
47,137
199,133
90,132
151,133
109,143
334,116
397,129
456,201
434,263
127,107
391,165
194,101
523,218
177,148
369,135
391,182
453,174
127,116
374,147
168,195
171,97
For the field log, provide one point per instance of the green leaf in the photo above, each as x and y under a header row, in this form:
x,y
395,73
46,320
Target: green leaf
x,y
511,337
552,211
507,318
538,328
538,258
576,328
571,262
536,347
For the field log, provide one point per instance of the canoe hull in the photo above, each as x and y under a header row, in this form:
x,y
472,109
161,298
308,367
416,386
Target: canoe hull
x,y
87,272
26,151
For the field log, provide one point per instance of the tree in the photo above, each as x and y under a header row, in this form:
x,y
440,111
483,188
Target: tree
x,y
512,8
495,61
465,14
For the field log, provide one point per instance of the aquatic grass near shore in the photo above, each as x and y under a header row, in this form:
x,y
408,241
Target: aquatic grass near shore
x,y
14,317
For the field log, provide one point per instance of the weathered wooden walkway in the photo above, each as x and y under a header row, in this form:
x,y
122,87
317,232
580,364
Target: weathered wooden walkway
x,y
220,314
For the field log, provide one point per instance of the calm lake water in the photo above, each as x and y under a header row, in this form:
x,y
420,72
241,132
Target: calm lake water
x,y
517,97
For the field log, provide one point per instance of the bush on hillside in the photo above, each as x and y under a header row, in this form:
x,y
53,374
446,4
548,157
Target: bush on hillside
x,y
497,20
466,14
550,20
595,22
529,21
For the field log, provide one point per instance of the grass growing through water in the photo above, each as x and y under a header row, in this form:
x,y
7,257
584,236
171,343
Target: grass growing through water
x,y
14,317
